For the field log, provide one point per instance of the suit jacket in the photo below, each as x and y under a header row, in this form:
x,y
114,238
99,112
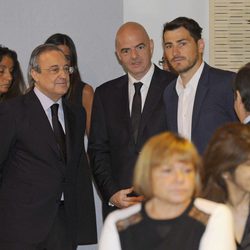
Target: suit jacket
x,y
34,174
213,105
112,149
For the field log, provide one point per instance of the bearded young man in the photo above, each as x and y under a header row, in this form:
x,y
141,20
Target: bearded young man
x,y
201,99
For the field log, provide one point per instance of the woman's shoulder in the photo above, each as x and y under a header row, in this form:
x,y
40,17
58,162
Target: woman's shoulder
x,y
124,213
87,90
210,207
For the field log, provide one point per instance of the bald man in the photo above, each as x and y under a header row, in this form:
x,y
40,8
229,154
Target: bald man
x,y
118,129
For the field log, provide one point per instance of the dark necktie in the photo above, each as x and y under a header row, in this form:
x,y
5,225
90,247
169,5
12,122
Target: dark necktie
x,y
58,130
136,110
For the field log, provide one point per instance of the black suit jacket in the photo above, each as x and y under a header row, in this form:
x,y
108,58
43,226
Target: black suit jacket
x,y
213,105
34,174
112,149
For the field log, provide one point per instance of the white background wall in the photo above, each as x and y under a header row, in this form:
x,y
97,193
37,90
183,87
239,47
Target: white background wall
x,y
92,24
154,13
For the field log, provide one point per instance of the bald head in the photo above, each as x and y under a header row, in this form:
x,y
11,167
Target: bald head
x,y
128,29
134,49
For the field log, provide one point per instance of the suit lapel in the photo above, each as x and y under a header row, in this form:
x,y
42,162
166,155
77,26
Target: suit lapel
x,y
121,96
73,132
39,121
201,92
171,107
153,97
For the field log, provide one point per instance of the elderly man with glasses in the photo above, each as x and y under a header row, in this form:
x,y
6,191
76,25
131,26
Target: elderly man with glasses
x,y
42,140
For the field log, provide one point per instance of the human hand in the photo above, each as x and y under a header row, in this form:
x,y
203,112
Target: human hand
x,y
121,199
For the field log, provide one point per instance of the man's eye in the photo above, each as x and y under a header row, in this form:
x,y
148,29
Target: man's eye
x,y
142,46
182,44
168,46
125,51
54,70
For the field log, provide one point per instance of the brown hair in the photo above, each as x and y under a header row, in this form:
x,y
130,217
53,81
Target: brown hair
x,y
228,148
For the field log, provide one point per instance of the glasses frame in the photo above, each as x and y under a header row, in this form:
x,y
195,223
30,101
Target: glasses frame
x,y
54,70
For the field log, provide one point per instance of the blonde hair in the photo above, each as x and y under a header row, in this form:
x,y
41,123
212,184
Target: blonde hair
x,y
159,150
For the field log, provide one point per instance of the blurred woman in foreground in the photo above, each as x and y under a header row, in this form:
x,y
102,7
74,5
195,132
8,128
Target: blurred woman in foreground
x,y
171,218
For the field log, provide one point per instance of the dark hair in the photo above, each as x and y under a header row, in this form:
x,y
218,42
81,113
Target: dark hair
x,y
228,148
63,39
189,24
242,84
18,86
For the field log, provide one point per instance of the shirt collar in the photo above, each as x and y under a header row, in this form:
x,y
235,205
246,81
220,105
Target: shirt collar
x,y
146,79
193,82
45,101
246,120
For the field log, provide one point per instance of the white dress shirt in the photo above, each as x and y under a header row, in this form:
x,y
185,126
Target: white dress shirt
x,y
186,103
246,120
146,80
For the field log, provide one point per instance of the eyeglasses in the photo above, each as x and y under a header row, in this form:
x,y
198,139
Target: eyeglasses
x,y
68,58
162,61
54,70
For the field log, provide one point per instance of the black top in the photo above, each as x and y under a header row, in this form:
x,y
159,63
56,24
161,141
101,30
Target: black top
x,y
245,242
75,97
140,232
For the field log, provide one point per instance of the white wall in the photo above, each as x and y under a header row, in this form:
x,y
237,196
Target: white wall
x,y
91,24
152,14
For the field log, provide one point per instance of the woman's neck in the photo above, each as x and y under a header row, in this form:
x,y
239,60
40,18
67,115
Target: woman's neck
x,y
161,210
237,197
238,202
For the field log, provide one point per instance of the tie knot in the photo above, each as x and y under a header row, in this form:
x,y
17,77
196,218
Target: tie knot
x,y
138,86
54,109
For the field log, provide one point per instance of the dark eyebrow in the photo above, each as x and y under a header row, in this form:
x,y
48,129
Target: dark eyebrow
x,y
179,41
53,66
182,40
167,43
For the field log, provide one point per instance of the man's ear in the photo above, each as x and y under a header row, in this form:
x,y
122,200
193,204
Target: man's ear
x,y
238,96
34,75
151,42
201,45
117,55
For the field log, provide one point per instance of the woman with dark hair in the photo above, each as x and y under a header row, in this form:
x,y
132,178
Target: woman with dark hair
x,y
79,91
11,78
171,217
241,86
226,176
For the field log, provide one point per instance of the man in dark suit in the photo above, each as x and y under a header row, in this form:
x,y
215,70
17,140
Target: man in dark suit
x,y
201,99
118,129
42,161
241,86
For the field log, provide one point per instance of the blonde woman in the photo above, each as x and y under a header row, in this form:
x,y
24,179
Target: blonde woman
x,y
170,218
